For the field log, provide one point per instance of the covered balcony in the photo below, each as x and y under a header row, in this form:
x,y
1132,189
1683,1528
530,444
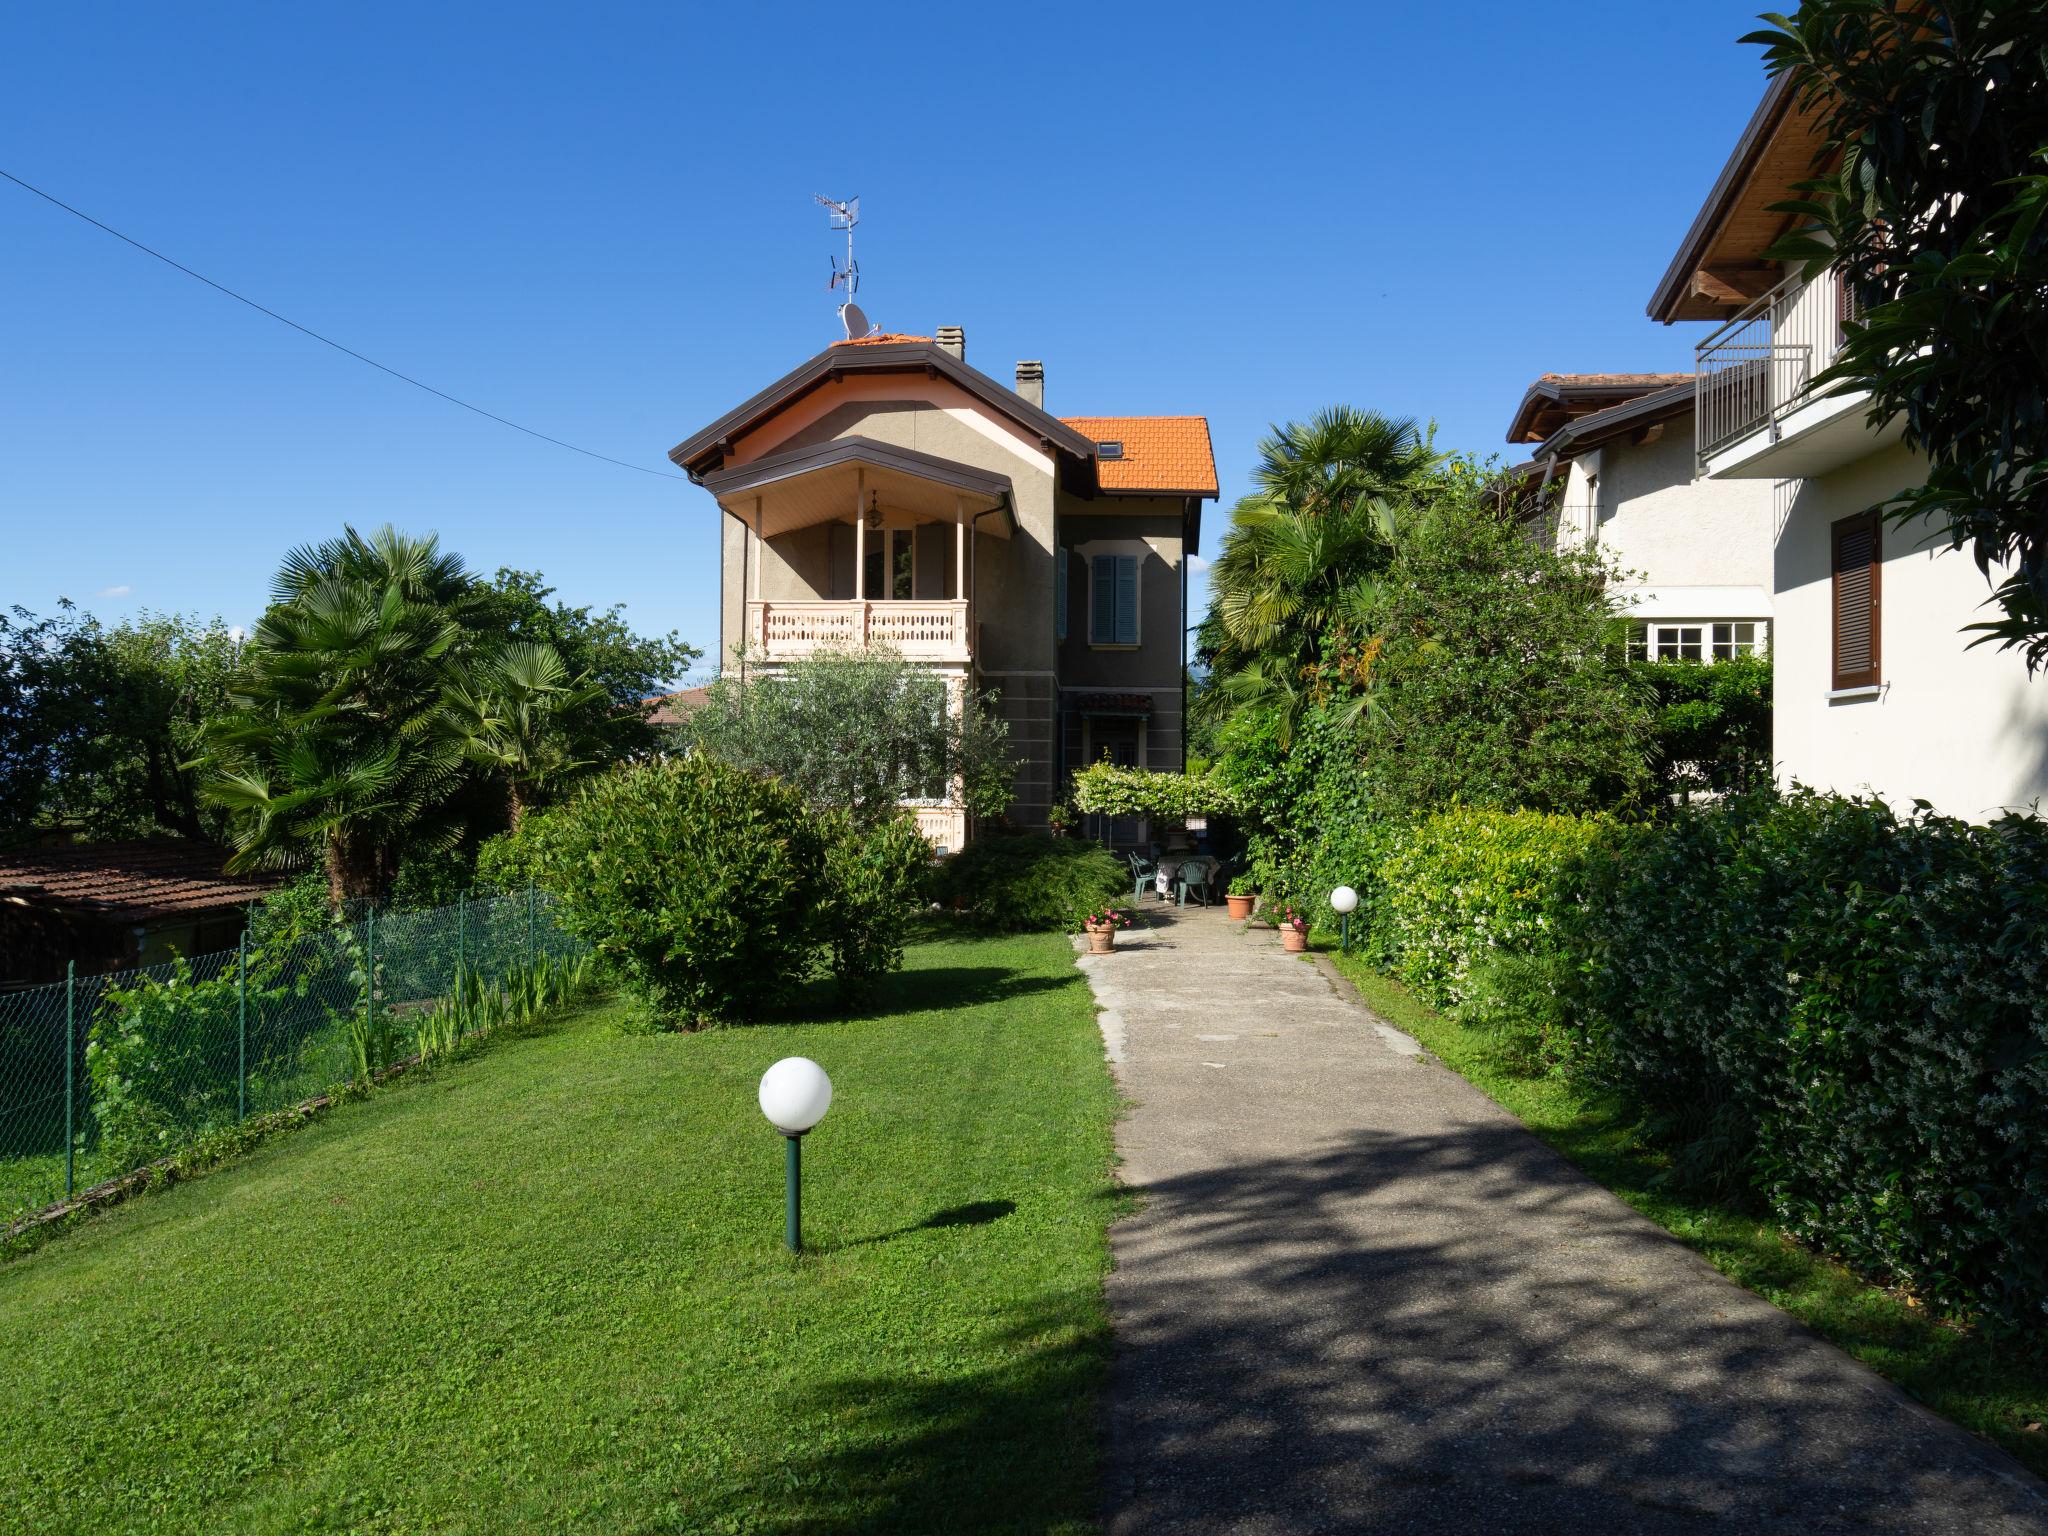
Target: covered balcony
x,y
853,542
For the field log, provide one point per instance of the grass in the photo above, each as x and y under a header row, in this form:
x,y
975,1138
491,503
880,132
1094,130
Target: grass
x,y
544,1290
1984,1386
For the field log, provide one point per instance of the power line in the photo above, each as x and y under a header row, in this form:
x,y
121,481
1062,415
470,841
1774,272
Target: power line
x,y
328,340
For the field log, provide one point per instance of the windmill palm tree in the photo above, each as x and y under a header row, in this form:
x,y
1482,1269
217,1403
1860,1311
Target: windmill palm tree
x,y
342,745
1301,561
525,720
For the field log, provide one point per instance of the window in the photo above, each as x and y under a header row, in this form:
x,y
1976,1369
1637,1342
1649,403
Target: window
x,y
1857,555
1113,600
1059,593
1696,639
892,565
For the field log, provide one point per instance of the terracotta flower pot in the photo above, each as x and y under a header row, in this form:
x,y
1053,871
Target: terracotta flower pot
x,y
1240,907
1101,938
1293,940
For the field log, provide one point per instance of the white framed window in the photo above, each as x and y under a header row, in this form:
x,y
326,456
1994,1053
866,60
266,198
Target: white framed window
x,y
1697,639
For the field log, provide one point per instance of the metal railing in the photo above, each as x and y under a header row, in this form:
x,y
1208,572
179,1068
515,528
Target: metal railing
x,y
102,1074
1758,366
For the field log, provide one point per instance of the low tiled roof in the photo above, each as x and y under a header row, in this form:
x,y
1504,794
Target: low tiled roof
x,y
879,339
128,880
675,708
1556,398
1166,455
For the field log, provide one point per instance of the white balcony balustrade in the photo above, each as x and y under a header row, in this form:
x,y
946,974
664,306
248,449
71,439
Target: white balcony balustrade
x,y
937,630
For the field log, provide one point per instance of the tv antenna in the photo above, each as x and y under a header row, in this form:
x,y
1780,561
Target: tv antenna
x,y
844,216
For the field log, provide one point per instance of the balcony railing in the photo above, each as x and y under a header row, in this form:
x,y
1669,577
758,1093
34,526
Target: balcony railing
x,y
920,631
1757,368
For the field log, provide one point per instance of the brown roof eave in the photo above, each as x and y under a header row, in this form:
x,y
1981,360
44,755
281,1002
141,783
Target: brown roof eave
x,y
693,452
1756,136
1601,426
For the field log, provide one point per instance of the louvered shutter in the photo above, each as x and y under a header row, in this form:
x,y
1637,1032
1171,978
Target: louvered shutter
x,y
1857,560
1102,602
1126,599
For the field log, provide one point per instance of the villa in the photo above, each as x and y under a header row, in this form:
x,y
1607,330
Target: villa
x,y
1878,687
884,492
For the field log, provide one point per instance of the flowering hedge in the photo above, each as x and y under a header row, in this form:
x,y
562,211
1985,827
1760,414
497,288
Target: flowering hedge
x,y
1104,789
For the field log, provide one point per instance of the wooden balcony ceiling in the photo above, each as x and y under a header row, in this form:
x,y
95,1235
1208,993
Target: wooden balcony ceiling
x,y
828,482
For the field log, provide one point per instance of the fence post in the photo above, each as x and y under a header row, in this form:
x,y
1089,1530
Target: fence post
x,y
242,1027
70,1049
461,945
529,922
370,989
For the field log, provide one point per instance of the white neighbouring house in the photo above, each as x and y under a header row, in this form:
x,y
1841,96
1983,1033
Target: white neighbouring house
x,y
1878,688
1612,466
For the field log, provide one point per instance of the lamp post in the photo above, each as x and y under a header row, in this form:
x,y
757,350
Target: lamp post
x,y
1345,900
795,1093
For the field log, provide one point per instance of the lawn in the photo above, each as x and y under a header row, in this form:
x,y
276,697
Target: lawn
x,y
1991,1388
543,1289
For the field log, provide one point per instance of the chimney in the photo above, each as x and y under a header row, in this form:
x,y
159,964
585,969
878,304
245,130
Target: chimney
x,y
1031,383
954,340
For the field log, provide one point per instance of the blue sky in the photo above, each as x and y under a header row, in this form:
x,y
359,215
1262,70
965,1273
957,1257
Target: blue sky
x,y
597,220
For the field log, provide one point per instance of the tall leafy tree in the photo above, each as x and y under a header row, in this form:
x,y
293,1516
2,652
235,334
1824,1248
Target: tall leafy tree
x,y
1935,118
343,744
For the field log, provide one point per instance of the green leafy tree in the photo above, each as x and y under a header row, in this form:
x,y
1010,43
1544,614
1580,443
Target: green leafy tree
x,y
343,746
1935,118
1501,680
623,668
859,731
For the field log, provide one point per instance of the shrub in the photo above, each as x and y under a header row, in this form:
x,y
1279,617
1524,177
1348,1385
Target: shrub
x,y
1107,789
1021,882
1712,725
1464,883
698,882
874,878
1850,1009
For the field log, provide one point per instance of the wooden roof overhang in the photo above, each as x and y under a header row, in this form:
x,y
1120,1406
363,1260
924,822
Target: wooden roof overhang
x,y
703,453
1637,419
1558,398
831,482
1720,267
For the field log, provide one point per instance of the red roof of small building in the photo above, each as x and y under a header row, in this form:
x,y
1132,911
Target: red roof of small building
x,y
675,708
128,880
1165,455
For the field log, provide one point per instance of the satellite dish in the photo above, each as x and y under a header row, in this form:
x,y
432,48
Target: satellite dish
x,y
854,319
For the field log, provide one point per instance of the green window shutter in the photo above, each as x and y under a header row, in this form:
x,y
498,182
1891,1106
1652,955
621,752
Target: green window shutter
x,y
1059,594
1126,599
1102,601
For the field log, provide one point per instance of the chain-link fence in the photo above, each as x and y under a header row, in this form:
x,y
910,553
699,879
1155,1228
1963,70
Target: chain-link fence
x,y
102,1074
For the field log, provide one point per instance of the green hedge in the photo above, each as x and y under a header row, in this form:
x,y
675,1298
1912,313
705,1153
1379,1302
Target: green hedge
x,y
1467,882
1839,1011
1865,998
1021,882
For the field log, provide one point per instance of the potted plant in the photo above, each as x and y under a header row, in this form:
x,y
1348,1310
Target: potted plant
x,y
1101,925
1243,893
1061,820
1293,925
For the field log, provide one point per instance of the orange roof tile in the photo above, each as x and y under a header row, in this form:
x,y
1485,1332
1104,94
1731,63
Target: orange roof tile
x,y
879,339
128,880
1169,455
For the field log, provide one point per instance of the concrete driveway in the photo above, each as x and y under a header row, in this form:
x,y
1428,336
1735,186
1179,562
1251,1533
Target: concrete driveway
x,y
1359,1296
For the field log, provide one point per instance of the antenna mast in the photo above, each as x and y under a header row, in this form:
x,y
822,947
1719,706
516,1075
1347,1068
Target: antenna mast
x,y
844,216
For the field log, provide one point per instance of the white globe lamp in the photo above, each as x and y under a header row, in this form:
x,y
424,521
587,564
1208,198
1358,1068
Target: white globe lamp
x,y
795,1093
1345,901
